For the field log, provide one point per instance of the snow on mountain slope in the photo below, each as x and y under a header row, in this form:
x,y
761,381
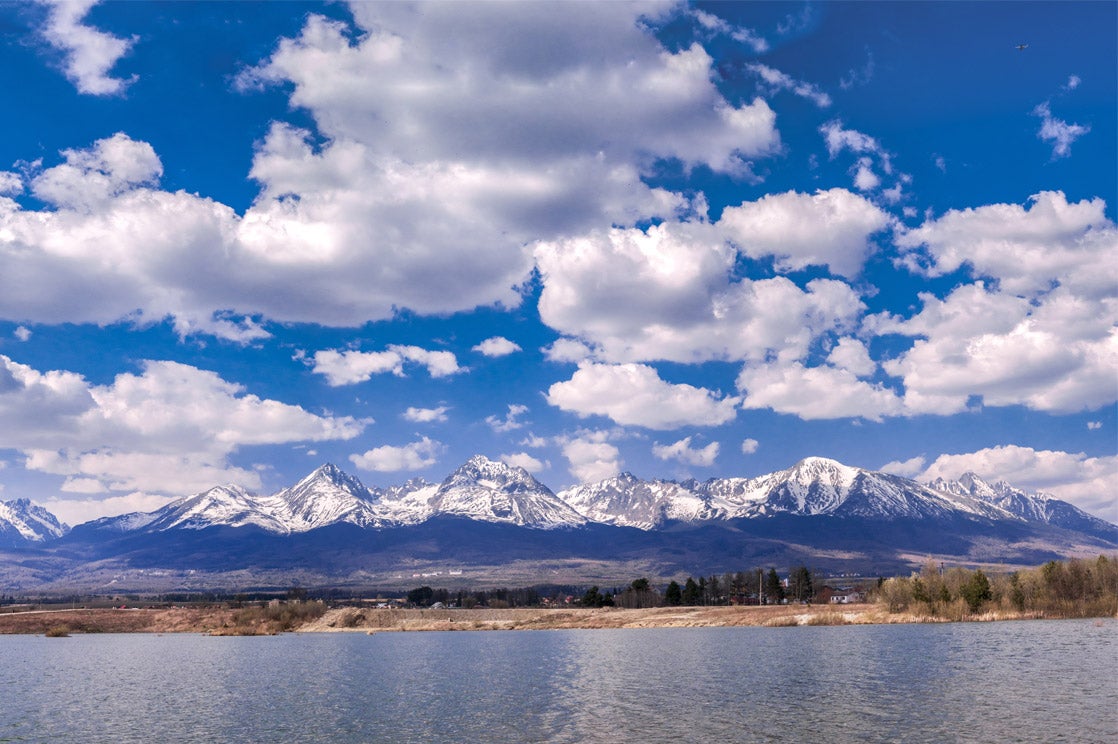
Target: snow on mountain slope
x,y
407,504
326,496
122,522
1032,507
627,501
491,491
820,486
23,521
229,506
812,487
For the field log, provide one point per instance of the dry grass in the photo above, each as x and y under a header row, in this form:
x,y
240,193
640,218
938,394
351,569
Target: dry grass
x,y
315,617
347,619
180,620
783,621
272,619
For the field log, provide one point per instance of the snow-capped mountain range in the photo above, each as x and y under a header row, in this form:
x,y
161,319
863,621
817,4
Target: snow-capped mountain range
x,y
24,522
487,491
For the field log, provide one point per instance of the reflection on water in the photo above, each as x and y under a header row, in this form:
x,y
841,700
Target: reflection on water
x,y
992,682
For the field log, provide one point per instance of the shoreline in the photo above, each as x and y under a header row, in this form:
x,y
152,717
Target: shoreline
x,y
355,619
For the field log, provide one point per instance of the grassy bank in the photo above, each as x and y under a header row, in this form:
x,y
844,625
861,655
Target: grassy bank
x,y
314,617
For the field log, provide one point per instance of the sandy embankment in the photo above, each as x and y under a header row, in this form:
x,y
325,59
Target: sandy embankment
x,y
354,619
182,620
222,621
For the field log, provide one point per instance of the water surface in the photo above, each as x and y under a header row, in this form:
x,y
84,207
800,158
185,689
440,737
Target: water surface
x,y
1037,681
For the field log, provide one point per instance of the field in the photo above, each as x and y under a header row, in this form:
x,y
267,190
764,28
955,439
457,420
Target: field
x,y
317,618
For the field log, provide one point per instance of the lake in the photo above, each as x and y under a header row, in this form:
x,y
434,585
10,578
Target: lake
x,y
1033,681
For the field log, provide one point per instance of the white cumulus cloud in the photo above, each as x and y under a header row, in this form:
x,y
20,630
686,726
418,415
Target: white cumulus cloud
x,y
591,457
523,460
910,468
430,171
350,366
426,415
496,346
838,138
567,350
389,459
669,292
74,511
511,421
90,54
685,453
168,430
11,184
1037,329
1026,248
816,392
828,228
1088,482
852,355
89,178
634,395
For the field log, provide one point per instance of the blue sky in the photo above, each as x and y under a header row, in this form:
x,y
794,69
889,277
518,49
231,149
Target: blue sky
x,y
238,240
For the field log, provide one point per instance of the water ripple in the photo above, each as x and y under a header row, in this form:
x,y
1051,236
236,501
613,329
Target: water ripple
x,y
982,682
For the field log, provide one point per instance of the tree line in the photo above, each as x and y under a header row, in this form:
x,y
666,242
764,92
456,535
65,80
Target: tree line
x,y
530,596
1074,588
742,587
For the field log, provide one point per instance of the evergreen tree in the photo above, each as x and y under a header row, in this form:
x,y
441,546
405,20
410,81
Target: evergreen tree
x,y
1016,594
592,598
692,595
422,596
919,591
673,595
976,591
774,589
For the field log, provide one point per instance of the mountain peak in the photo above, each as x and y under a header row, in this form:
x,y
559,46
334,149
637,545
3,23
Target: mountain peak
x,y
480,460
481,463
326,495
818,463
1032,507
493,473
22,521
497,492
823,470
327,471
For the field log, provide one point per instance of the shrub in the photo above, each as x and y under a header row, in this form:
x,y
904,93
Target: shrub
x,y
277,617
